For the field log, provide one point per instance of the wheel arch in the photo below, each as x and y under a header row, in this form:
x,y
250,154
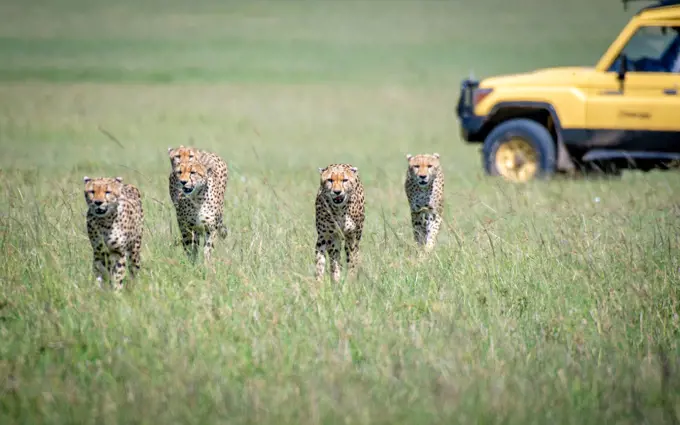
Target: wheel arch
x,y
541,112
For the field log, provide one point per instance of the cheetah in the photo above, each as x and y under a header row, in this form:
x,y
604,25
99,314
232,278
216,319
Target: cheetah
x,y
339,215
424,188
197,185
208,159
114,226
184,153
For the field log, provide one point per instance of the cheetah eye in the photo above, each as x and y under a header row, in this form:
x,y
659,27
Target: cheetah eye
x,y
108,192
345,180
329,180
193,172
416,166
429,166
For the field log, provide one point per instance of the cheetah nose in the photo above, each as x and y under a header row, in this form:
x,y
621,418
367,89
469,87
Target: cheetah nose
x,y
184,182
98,203
337,192
422,177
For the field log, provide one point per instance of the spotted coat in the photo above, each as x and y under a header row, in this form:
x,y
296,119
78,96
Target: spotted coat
x,y
339,216
424,187
197,184
114,226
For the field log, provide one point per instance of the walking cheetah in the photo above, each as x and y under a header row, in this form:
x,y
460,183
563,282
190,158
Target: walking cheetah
x,y
424,188
339,215
184,153
197,185
114,226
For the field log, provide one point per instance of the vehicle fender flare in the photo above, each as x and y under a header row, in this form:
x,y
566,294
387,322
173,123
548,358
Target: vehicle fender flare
x,y
564,161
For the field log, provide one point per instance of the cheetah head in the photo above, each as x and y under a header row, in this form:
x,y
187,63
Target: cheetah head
x,y
181,154
102,194
192,177
422,168
338,181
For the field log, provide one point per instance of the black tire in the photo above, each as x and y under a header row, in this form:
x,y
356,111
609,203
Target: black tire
x,y
530,131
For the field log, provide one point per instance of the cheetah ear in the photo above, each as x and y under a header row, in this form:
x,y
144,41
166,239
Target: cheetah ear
x,y
436,155
408,156
322,169
354,169
119,179
86,179
169,150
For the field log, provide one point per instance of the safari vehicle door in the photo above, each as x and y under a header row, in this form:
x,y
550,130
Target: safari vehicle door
x,y
633,102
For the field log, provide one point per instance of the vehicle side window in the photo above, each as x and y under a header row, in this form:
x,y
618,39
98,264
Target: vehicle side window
x,y
653,49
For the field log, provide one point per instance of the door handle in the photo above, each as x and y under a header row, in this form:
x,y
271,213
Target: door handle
x,y
670,91
610,92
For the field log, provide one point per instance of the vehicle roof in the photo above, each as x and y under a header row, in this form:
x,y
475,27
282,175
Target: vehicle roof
x,y
660,4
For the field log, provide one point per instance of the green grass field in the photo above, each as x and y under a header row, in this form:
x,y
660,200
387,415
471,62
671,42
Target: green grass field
x,y
550,302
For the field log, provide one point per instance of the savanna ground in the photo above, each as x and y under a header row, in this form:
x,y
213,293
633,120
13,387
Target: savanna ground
x,y
550,302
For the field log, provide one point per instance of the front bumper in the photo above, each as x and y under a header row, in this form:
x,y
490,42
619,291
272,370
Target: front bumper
x,y
470,124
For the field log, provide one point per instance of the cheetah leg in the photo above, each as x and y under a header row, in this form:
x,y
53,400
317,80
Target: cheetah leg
x,y
334,256
418,228
352,254
433,225
190,242
99,268
222,228
118,264
320,258
210,236
135,257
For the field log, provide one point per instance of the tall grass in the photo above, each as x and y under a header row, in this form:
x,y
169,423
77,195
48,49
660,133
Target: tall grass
x,y
550,302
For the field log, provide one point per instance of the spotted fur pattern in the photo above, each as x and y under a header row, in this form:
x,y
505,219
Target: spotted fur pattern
x,y
197,184
424,188
339,216
114,226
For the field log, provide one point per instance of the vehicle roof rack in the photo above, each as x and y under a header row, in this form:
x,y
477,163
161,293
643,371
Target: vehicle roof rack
x,y
661,3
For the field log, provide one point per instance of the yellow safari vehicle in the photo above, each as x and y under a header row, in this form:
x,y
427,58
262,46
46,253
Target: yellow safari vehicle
x,y
622,113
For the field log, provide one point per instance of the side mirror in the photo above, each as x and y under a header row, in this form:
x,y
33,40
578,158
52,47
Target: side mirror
x,y
623,68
